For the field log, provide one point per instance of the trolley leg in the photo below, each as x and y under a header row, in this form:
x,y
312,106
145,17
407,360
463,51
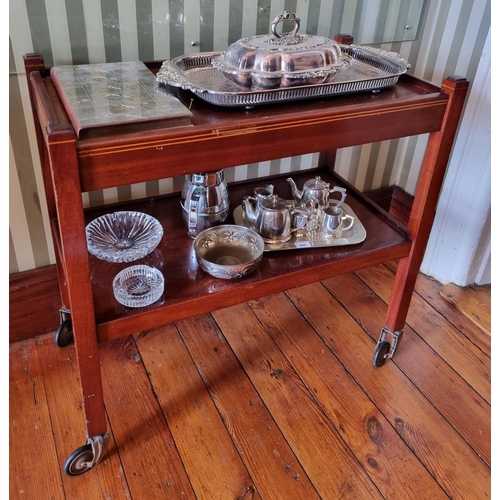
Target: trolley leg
x,y
57,147
67,192
422,215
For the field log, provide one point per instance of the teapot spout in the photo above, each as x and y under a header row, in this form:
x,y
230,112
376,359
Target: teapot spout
x,y
249,211
296,193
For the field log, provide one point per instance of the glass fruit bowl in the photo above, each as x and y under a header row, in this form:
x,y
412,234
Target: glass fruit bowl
x,y
123,236
138,286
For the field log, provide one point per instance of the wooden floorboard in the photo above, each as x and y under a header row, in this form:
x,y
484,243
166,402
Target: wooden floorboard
x,y
421,365
473,301
251,425
326,458
424,430
62,387
34,468
276,399
430,290
443,337
390,464
138,424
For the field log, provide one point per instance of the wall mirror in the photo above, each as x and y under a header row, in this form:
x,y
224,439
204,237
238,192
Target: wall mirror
x,y
216,24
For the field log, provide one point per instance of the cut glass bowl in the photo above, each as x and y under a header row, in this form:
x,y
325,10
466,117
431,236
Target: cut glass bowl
x,y
138,286
123,236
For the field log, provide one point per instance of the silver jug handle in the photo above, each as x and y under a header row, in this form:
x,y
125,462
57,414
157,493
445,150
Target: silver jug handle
x,y
193,214
304,220
339,190
349,225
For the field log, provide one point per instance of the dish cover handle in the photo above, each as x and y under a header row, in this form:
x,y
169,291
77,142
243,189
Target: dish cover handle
x,y
289,37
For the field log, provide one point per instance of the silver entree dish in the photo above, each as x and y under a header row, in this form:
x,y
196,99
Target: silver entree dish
x,y
369,69
282,67
281,59
228,251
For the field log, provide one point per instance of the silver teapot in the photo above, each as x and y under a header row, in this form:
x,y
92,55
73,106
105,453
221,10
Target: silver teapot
x,y
316,192
273,220
204,201
261,193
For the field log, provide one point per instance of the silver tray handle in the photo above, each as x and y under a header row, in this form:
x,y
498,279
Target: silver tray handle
x,y
169,75
384,53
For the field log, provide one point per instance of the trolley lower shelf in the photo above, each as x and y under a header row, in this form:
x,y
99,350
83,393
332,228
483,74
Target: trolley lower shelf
x,y
189,291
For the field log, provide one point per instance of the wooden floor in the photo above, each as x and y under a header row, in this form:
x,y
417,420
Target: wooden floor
x,y
276,399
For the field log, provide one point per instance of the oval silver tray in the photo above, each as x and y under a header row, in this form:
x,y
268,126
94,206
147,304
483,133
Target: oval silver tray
x,y
353,236
368,69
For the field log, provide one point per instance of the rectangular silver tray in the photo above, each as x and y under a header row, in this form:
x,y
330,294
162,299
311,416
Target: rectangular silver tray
x,y
369,69
353,236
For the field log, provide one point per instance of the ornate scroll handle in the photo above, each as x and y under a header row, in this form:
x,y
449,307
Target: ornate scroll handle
x,y
286,16
168,74
390,55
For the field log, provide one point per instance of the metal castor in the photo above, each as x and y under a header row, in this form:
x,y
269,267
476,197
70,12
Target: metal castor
x,y
64,334
381,353
385,349
80,461
88,455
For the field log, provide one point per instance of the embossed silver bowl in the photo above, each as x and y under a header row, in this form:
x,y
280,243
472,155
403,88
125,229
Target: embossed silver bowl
x,y
281,60
228,251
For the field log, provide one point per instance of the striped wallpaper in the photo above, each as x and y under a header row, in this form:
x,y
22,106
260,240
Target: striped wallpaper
x,y
437,37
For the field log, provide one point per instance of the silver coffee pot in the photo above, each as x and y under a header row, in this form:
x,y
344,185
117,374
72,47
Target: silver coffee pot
x,y
316,192
204,201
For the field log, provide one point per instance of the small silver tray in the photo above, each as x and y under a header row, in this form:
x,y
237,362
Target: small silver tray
x,y
369,69
353,236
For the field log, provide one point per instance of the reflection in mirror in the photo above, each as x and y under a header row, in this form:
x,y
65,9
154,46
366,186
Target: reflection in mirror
x,y
395,21
212,25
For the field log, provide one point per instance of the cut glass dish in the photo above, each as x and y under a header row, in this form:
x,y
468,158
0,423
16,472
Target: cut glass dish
x,y
138,286
123,236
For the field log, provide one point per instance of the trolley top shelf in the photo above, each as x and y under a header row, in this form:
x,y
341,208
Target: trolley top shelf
x,y
108,156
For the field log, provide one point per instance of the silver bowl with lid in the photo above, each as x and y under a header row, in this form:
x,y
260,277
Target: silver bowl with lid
x,y
281,60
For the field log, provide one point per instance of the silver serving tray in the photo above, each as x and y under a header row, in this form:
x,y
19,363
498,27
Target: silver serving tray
x,y
353,236
369,69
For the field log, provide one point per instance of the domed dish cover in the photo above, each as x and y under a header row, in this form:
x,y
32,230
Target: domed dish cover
x,y
281,60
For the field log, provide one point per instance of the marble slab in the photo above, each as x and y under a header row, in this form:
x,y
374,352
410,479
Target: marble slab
x,y
96,95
